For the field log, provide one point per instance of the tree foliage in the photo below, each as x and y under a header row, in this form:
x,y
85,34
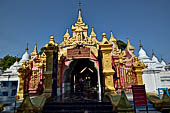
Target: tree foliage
x,y
7,61
121,45
41,51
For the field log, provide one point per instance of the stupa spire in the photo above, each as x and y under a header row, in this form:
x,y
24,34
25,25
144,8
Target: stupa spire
x,y
140,44
67,35
26,48
129,46
112,38
93,34
35,51
153,54
79,21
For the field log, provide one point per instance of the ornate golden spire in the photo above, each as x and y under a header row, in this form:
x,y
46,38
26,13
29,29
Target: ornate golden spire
x,y
52,41
93,33
129,46
105,41
112,38
67,35
79,21
35,51
140,44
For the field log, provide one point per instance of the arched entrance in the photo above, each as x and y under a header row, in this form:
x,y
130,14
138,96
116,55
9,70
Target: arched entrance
x,y
82,79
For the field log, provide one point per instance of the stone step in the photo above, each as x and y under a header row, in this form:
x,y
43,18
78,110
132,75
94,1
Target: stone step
x,y
91,107
78,111
143,108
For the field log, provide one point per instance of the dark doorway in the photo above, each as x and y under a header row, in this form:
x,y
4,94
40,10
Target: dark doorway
x,y
84,79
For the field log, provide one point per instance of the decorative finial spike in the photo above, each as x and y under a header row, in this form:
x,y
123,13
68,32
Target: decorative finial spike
x,y
93,34
79,5
127,38
27,47
67,29
92,28
79,21
112,38
129,46
140,44
153,54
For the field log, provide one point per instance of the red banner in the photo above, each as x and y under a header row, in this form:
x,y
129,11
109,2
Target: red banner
x,y
81,52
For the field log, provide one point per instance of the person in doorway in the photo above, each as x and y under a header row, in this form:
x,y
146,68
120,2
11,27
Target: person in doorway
x,y
81,84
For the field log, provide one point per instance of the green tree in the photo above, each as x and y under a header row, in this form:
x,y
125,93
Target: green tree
x,y
7,61
121,45
41,51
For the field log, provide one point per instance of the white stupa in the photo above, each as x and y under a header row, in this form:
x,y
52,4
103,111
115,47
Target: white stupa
x,y
154,76
25,57
144,57
156,64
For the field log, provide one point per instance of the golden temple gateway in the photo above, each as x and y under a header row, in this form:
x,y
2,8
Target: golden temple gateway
x,y
102,66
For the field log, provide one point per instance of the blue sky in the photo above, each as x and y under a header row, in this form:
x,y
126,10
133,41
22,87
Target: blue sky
x,y
23,21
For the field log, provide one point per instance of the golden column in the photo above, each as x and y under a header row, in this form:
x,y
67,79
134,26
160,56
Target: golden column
x,y
23,73
20,92
50,50
139,66
106,49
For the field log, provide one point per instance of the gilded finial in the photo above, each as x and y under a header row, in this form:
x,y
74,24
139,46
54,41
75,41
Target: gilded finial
x,y
67,28
35,51
105,41
52,41
67,35
127,38
79,21
112,38
129,46
153,54
79,17
140,44
93,34
17,59
27,47
79,4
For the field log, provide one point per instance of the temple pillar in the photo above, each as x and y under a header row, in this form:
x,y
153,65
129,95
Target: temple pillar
x,y
60,77
50,51
106,49
49,71
23,73
138,68
138,71
20,91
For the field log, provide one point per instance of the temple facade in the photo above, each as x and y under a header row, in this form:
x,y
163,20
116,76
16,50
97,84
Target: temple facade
x,y
156,74
80,62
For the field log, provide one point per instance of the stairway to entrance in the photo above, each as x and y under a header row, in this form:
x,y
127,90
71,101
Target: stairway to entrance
x,y
77,104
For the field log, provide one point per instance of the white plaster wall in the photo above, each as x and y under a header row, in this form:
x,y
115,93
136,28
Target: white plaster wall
x,y
155,79
164,79
149,81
